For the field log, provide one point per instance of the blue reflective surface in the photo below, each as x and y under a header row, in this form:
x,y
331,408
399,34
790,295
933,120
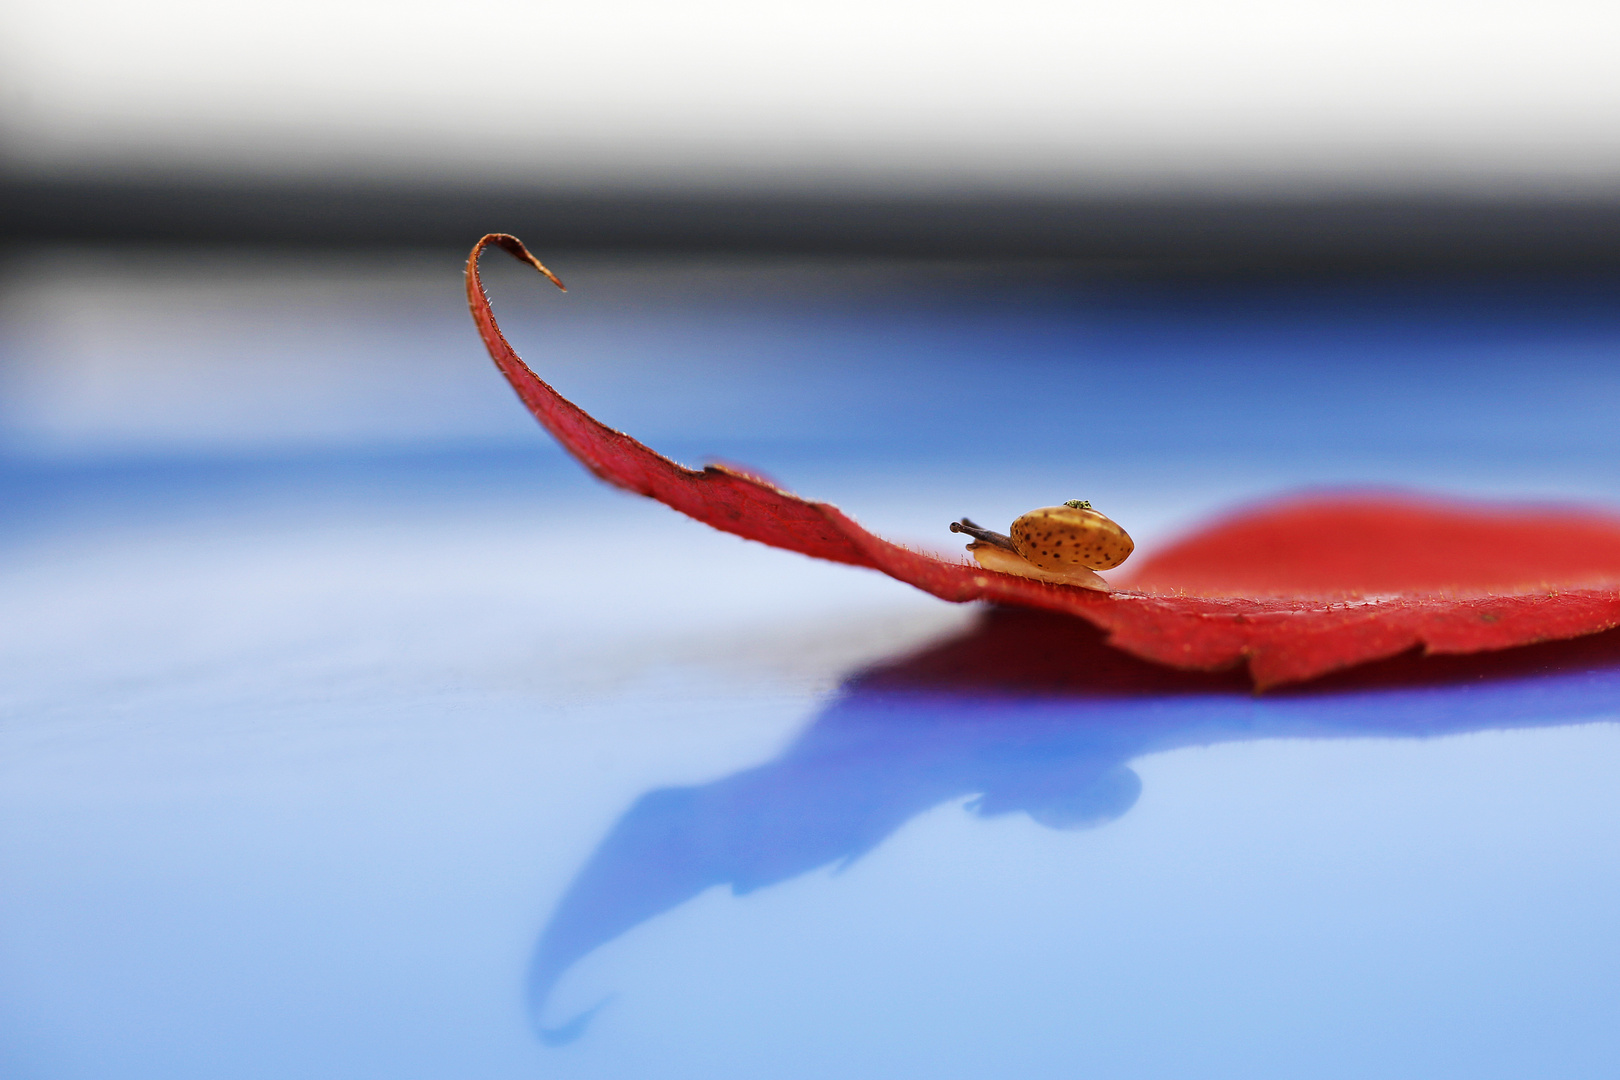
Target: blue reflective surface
x,y
330,754
1026,713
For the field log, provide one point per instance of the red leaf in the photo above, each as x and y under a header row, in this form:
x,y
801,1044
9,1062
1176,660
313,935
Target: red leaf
x,y
1296,589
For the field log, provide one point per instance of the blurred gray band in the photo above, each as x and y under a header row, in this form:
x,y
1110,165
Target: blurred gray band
x,y
1159,233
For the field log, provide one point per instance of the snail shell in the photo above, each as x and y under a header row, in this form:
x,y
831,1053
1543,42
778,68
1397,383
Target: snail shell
x,y
1062,538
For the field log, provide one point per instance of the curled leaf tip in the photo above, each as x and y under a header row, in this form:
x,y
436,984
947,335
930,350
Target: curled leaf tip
x,y
514,247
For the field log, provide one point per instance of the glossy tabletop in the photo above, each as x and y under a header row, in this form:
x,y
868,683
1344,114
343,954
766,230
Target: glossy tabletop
x,y
347,729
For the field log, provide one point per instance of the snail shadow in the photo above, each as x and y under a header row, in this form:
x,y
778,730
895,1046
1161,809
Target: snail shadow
x,y
1025,713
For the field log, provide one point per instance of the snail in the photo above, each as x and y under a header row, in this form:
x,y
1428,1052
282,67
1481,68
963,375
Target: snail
x,y
1061,544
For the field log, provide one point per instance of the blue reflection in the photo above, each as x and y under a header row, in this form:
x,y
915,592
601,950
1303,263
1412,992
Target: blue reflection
x,y
1026,713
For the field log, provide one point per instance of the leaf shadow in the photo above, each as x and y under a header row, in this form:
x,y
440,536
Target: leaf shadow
x,y
1026,712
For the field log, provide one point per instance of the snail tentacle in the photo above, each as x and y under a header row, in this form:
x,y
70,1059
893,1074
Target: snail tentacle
x,y
988,536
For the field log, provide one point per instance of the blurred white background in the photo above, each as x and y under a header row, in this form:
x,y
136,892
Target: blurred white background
x,y
1158,94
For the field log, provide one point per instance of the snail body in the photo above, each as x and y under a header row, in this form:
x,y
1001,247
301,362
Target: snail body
x,y
1063,544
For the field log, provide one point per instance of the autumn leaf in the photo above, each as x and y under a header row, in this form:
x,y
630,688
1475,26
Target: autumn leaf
x,y
1295,589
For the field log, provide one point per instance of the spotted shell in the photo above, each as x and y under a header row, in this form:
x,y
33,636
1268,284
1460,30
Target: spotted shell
x,y
1062,538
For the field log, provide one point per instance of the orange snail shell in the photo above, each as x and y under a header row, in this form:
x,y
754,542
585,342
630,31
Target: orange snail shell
x,y
1062,538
